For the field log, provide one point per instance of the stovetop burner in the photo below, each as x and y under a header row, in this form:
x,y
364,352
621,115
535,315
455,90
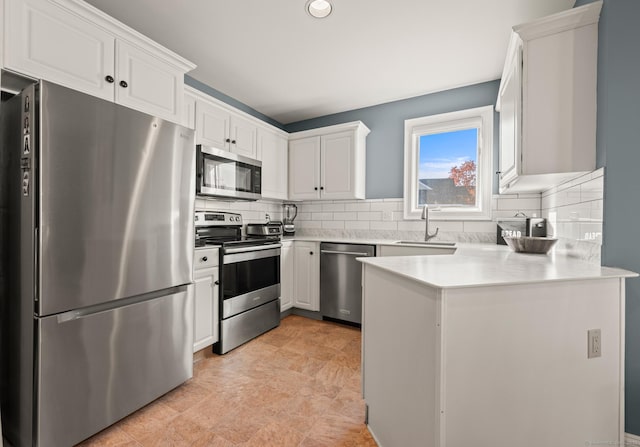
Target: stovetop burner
x,y
222,229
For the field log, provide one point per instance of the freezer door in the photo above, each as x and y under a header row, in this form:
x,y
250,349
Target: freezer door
x,y
94,369
117,191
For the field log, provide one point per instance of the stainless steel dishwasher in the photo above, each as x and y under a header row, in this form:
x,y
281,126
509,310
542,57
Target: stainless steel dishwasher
x,y
341,281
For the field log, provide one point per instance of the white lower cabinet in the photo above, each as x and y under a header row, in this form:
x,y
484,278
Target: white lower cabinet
x,y
306,279
287,268
206,290
272,152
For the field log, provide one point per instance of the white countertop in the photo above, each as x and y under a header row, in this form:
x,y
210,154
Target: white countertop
x,y
475,265
339,240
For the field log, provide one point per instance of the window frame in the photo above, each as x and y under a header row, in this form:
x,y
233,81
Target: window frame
x,y
480,118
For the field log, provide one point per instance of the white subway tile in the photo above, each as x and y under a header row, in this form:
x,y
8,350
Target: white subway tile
x,y
479,227
311,224
518,204
411,225
446,225
322,216
345,216
360,206
304,216
374,215
333,207
356,225
376,225
311,208
399,200
592,190
398,215
333,224
386,206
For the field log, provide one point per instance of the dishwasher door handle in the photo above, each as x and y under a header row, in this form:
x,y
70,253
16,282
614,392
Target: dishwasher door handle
x,y
351,253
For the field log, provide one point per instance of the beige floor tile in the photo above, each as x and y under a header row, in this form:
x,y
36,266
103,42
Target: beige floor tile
x,y
295,386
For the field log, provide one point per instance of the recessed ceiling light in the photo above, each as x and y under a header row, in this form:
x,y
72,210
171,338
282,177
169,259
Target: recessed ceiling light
x,y
319,8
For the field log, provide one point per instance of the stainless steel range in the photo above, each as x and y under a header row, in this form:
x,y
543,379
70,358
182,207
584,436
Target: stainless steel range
x,y
249,278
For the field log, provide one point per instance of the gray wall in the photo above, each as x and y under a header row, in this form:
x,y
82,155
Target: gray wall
x,y
618,137
385,143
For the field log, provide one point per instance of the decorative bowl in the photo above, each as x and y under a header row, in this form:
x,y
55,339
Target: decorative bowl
x,y
528,244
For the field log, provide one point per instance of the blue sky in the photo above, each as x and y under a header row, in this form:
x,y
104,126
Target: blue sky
x,y
441,151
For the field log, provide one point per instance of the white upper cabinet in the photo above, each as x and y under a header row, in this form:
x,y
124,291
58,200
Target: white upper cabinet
x,y
244,137
304,168
220,128
272,151
328,163
212,125
547,101
189,110
147,83
75,45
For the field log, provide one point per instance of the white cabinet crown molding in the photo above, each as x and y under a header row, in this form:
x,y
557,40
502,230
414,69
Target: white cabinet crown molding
x,y
122,31
562,21
200,95
359,125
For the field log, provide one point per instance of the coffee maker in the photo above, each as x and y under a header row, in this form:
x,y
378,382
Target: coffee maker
x,y
288,216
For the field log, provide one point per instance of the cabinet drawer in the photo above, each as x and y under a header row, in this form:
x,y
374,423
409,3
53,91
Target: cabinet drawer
x,y
205,258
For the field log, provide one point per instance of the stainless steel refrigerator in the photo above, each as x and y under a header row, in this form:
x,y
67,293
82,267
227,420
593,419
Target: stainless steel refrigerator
x,y
97,239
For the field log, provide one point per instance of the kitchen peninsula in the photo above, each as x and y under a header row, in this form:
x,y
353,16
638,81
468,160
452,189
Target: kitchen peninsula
x,y
491,347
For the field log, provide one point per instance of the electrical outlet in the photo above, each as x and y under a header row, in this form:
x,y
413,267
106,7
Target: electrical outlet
x,y
594,343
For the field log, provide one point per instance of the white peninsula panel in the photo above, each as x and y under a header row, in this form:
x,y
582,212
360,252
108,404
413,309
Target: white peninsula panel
x,y
499,361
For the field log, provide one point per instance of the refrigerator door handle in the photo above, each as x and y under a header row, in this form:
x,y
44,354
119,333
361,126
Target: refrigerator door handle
x,y
110,305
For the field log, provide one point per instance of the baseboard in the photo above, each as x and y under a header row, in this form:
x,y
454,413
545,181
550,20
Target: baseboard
x,y
631,440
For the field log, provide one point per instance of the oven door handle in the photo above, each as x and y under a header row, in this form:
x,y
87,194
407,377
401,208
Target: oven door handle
x,y
252,248
251,255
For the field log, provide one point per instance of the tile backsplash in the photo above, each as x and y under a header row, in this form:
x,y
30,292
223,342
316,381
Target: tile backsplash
x,y
573,211
383,219
574,214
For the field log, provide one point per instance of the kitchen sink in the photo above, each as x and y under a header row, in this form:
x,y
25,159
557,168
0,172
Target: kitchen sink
x,y
432,244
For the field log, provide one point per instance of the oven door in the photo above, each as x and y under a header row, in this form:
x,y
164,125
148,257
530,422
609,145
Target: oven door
x,y
250,278
224,174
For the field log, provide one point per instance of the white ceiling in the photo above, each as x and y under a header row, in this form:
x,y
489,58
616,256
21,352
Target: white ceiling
x,y
274,57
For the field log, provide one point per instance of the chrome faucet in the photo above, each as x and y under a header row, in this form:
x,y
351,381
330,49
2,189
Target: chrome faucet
x,y
425,216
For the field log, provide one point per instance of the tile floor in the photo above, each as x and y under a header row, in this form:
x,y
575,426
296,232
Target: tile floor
x,y
297,385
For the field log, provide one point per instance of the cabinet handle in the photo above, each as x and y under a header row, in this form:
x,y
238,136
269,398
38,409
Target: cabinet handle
x,y
217,283
316,188
322,188
109,79
124,84
204,259
227,140
233,141
311,253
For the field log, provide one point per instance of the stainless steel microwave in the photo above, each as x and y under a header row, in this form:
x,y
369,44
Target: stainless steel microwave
x,y
227,175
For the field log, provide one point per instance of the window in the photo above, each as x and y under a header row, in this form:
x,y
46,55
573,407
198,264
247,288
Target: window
x,y
448,165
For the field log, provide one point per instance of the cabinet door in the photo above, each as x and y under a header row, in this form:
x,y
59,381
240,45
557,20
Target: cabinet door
x,y
212,125
337,173
286,276
272,151
205,321
45,41
148,84
244,135
306,283
510,119
304,169
189,111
